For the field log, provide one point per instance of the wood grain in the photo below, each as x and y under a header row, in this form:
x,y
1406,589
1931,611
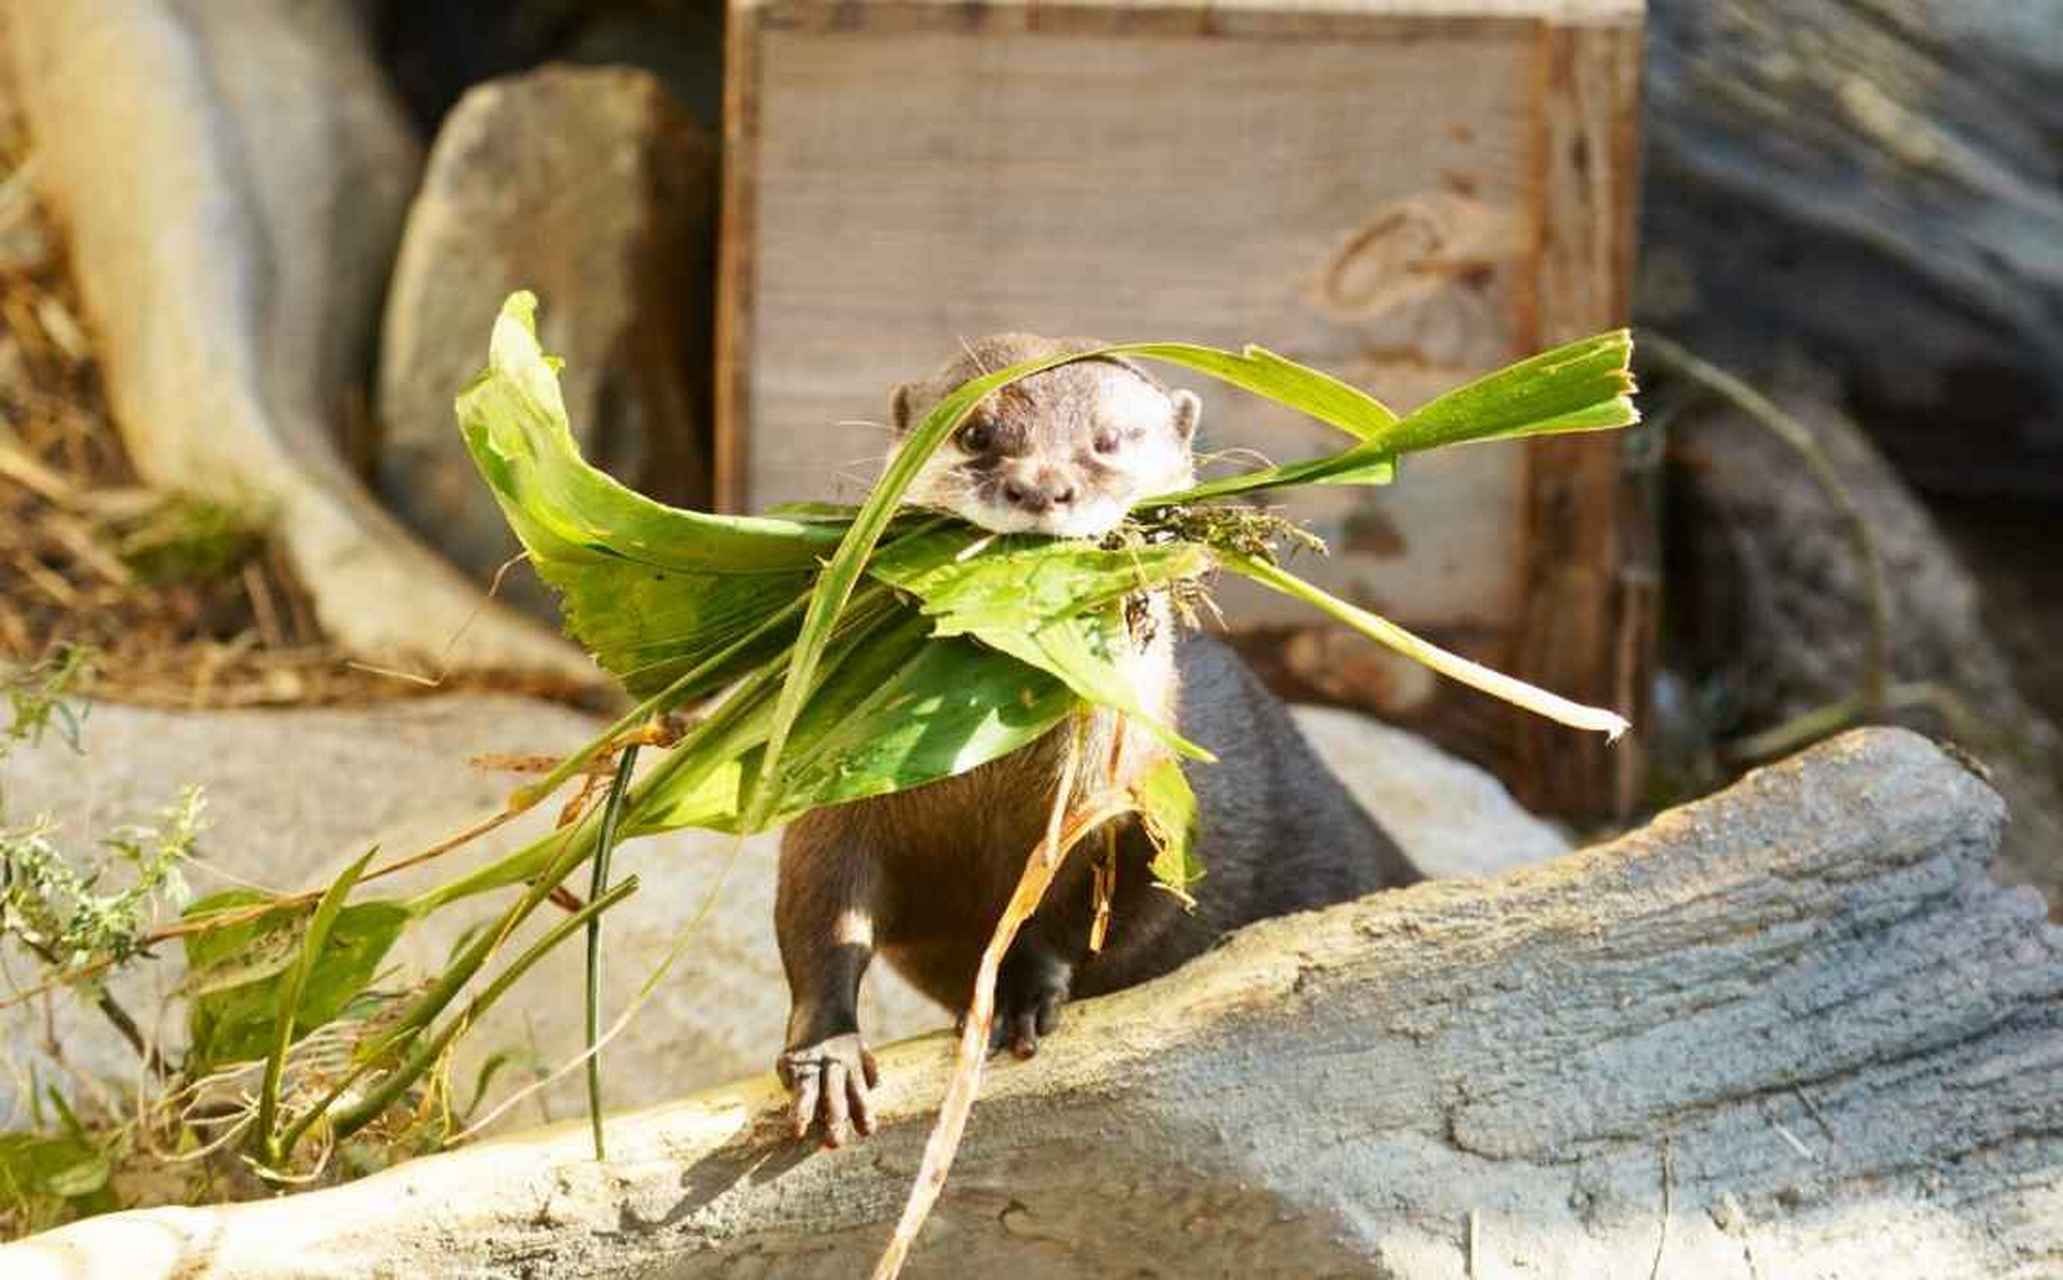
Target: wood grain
x,y
1357,185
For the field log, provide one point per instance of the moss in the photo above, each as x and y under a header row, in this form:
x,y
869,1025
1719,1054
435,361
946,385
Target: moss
x,y
190,539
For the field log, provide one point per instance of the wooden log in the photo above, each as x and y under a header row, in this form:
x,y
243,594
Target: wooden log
x,y
1405,193
1790,1030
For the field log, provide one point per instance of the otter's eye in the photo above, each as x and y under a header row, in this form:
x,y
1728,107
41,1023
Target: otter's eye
x,y
975,437
1105,441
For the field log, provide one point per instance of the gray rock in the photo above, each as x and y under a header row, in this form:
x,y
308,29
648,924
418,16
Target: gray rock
x,y
233,176
1876,183
1450,817
1792,1030
295,795
593,188
1770,605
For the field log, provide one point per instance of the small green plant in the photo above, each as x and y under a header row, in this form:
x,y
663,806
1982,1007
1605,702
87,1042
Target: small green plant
x,y
71,913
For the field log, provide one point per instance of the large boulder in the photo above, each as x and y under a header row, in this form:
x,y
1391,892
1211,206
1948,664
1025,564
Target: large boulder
x,y
592,187
1792,1030
1771,612
1876,183
233,177
294,795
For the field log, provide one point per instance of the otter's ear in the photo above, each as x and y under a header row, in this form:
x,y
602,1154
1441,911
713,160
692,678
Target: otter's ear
x,y
899,408
1187,409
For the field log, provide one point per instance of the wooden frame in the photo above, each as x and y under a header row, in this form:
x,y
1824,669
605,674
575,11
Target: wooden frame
x,y
1497,179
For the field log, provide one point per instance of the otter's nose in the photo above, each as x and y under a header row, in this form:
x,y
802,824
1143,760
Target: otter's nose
x,y
1042,494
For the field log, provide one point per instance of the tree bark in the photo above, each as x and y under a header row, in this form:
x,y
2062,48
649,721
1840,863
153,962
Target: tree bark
x,y
1790,1030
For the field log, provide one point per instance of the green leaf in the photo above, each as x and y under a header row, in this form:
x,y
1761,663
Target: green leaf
x,y
650,589
1452,665
998,638
1051,603
1167,806
234,972
835,586
1582,386
1261,371
68,1167
896,708
971,580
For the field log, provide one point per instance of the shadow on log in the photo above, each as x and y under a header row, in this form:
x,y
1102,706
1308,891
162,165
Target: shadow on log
x,y
1790,1030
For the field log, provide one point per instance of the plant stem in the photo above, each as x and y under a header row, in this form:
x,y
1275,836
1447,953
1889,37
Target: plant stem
x,y
612,813
572,851
1876,672
117,1016
426,1051
664,700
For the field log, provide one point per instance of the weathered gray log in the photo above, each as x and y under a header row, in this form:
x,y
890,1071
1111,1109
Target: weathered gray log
x,y
1791,1030
1875,182
233,176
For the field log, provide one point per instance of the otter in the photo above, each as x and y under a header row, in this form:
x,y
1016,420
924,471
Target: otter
x,y
921,877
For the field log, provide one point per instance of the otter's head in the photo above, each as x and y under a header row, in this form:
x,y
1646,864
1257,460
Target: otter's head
x,y
1063,452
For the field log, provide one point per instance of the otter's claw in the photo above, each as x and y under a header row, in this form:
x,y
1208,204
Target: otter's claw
x,y
829,1082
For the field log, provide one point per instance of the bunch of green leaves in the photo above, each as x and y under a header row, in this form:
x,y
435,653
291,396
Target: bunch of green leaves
x,y
879,648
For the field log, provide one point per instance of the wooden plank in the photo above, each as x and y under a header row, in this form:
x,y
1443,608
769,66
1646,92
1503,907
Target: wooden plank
x,y
1023,188
1591,560
1362,185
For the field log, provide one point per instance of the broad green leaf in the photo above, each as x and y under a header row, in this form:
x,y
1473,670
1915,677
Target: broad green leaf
x,y
68,1166
971,580
648,588
1167,806
1087,652
894,711
234,972
1051,603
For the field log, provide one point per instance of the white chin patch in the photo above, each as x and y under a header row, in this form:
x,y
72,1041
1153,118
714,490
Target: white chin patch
x,y
1092,521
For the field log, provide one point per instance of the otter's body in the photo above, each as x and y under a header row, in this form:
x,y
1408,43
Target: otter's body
x,y
921,877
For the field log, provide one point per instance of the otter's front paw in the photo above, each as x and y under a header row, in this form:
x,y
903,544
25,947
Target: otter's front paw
x,y
829,1082
1028,1002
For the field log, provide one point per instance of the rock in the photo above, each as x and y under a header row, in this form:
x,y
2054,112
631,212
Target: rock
x,y
591,187
295,795
233,176
1450,817
1790,1030
1875,183
1769,604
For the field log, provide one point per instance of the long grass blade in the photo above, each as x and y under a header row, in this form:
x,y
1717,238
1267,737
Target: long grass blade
x,y
1451,665
839,577
605,843
325,915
